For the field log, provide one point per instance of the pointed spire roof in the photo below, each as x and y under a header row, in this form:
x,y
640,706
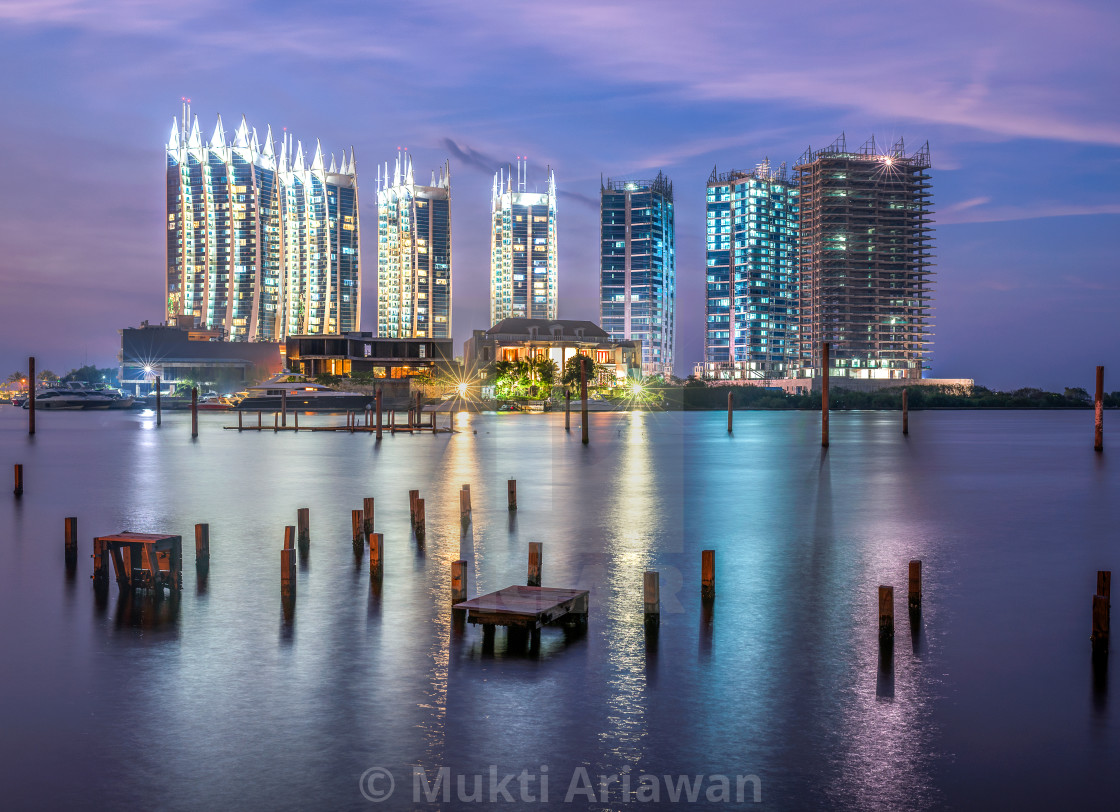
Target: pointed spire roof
x,y
256,142
268,150
194,141
409,178
173,141
282,164
241,138
218,139
317,161
297,164
397,171
334,167
352,168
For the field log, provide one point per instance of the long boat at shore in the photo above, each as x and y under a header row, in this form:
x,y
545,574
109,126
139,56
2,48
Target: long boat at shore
x,y
303,396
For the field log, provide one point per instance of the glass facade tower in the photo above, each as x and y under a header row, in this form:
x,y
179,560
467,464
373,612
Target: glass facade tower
x,y
260,244
413,253
865,260
752,318
637,267
522,248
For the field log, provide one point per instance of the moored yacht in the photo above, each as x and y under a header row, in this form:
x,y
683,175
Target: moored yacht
x,y
300,395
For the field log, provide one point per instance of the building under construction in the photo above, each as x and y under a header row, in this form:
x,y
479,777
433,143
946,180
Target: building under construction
x,y
864,260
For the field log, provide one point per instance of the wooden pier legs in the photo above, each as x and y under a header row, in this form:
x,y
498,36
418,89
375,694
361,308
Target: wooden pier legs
x,y
421,526
1098,419
284,408
465,505
412,497
303,530
71,541
458,581
18,488
159,405
567,410
536,554
914,590
583,396
886,616
708,575
905,411
358,529
824,394
1101,611
239,416
376,555
511,494
288,565
31,395
202,547
651,598
729,404
194,411
367,514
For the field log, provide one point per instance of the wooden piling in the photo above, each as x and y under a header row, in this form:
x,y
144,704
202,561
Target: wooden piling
x,y
367,513
511,494
101,564
583,396
914,591
287,573
303,523
1104,583
458,581
707,574
651,584
31,395
412,497
420,519
275,421
464,505
357,527
729,402
194,411
886,614
567,410
259,413
824,394
376,554
295,419
1099,637
202,545
284,408
905,411
239,416
18,489
71,539
159,402
1098,419
536,554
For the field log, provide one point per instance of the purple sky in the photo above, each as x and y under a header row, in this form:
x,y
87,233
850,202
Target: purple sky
x,y
1018,99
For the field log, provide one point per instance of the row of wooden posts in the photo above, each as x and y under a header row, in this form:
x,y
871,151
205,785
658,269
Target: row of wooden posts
x,y
362,526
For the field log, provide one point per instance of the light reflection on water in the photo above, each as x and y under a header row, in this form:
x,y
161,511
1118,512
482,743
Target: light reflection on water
x,y
220,700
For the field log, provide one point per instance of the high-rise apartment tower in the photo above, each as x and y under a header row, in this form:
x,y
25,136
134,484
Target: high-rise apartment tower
x,y
637,267
864,264
522,247
413,253
752,272
260,244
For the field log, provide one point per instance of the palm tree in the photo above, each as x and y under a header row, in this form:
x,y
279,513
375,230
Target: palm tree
x,y
16,377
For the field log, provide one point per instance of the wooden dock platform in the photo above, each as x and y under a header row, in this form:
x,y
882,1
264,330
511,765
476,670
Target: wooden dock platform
x,y
526,607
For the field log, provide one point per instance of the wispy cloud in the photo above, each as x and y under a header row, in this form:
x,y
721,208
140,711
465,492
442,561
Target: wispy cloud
x,y
974,211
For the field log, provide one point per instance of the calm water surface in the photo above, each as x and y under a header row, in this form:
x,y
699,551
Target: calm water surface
x,y
218,701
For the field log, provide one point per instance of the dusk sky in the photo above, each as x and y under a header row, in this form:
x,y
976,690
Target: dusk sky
x,y
1017,98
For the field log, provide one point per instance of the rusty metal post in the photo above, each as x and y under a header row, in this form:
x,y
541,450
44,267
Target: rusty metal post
x,y
303,525
1098,422
202,545
536,555
18,489
886,614
31,395
511,494
367,513
824,394
914,591
707,574
71,540
458,581
376,555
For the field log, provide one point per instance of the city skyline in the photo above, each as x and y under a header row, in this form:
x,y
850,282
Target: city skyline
x,y
1025,155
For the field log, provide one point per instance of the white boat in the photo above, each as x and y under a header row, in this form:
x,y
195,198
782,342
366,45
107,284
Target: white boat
x,y
77,396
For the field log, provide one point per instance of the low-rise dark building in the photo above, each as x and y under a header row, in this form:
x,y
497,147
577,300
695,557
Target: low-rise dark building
x,y
517,339
186,354
366,353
